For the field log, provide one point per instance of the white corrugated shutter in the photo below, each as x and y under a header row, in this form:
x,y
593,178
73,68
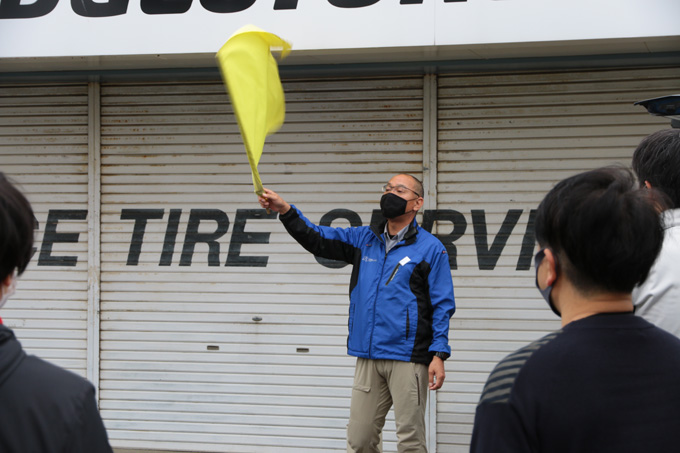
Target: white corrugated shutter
x,y
504,140
204,351
44,148
186,364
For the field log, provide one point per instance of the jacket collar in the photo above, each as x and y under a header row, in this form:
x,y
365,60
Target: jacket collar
x,y
671,218
409,237
11,353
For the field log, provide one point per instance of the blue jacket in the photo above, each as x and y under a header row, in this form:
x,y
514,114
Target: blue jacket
x,y
400,302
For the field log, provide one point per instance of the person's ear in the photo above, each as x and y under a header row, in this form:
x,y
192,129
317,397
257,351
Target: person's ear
x,y
549,268
7,281
418,204
648,185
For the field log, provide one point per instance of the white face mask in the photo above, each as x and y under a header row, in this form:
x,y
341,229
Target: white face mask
x,y
8,290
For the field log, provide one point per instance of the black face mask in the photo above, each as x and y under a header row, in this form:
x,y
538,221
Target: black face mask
x,y
392,205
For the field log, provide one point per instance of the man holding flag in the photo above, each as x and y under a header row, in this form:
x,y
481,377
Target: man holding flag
x,y
401,293
401,301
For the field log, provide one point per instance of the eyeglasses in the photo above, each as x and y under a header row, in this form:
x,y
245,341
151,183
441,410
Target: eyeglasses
x,y
399,189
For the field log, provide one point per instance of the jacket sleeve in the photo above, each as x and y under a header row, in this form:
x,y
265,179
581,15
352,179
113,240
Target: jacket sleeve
x,y
442,299
326,242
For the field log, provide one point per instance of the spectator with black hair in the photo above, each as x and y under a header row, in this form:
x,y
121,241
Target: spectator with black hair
x,y
43,408
656,162
607,381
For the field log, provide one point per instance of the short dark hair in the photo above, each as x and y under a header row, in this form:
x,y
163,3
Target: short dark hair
x,y
657,160
17,223
418,185
605,232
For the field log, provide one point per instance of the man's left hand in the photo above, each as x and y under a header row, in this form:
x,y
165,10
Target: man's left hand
x,y
436,373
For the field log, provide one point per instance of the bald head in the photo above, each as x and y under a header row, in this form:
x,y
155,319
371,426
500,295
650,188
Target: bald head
x,y
411,182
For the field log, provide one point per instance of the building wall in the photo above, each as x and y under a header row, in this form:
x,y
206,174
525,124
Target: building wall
x,y
205,327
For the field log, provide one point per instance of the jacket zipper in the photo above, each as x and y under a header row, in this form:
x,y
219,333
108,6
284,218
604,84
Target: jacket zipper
x,y
375,299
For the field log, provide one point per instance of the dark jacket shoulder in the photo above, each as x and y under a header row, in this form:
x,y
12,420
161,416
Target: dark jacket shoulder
x,y
44,408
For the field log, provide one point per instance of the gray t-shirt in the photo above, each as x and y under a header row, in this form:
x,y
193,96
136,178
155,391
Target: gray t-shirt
x,y
657,299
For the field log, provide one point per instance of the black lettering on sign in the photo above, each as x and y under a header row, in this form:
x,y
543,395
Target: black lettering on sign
x,y
285,4
90,8
459,227
36,227
13,9
193,236
141,217
326,220
170,237
419,2
51,237
165,6
488,257
19,9
377,218
227,6
352,3
528,244
240,237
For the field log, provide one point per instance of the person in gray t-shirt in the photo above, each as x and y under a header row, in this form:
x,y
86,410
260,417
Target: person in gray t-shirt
x,y
656,163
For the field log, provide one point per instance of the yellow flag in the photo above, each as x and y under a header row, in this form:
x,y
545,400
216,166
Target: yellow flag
x,y
251,76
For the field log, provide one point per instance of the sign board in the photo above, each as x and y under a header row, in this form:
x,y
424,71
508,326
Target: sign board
x,y
61,28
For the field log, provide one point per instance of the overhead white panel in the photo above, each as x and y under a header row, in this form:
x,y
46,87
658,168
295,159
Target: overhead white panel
x,y
219,332
504,140
43,148
323,27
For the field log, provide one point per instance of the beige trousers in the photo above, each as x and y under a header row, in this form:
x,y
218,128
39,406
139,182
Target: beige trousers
x,y
377,385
